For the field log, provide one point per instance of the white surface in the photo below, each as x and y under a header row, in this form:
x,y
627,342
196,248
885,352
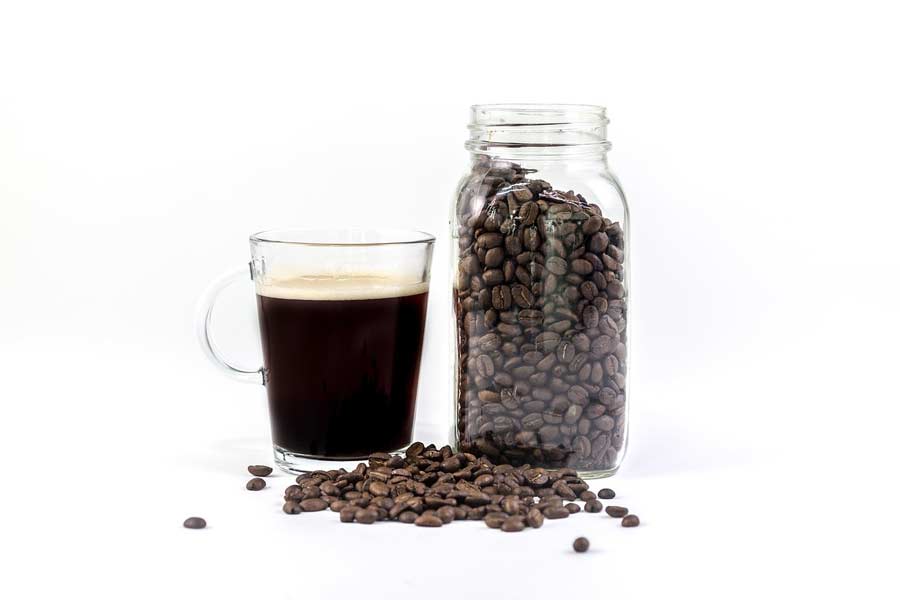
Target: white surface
x,y
141,143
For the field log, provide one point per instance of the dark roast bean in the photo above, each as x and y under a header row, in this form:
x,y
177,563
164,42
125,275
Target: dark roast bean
x,y
313,504
593,506
572,508
513,524
616,511
495,519
631,521
581,544
195,523
259,470
256,484
556,512
534,518
428,521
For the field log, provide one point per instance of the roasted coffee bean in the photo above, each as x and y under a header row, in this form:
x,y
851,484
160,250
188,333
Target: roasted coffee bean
x,y
313,504
495,519
572,508
581,544
587,496
259,470
366,516
534,518
348,514
593,506
616,512
256,484
513,524
606,494
195,523
292,507
426,520
556,512
407,517
631,521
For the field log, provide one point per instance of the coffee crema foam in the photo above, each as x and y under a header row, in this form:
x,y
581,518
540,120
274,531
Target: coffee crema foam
x,y
342,287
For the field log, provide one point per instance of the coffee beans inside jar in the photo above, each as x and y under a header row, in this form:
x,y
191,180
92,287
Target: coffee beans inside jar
x,y
540,302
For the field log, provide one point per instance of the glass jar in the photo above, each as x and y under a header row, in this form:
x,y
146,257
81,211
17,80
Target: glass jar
x,y
540,291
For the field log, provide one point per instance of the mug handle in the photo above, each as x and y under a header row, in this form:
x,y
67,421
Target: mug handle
x,y
205,308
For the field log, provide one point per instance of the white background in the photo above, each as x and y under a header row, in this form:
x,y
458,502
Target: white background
x,y
140,143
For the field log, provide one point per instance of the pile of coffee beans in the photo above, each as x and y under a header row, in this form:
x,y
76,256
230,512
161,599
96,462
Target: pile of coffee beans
x,y
432,487
540,304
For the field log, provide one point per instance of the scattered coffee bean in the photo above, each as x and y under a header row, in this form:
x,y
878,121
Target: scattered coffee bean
x,y
366,516
572,508
260,470
606,494
513,524
494,520
256,484
593,506
292,508
407,516
195,523
556,512
313,504
428,521
587,496
535,518
581,544
348,514
631,521
616,512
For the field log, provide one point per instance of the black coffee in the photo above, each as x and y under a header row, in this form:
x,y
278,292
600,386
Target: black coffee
x,y
342,363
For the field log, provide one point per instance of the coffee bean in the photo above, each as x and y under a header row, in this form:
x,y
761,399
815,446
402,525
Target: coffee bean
x,y
572,508
407,517
606,494
513,524
256,484
556,512
495,519
428,521
587,496
195,523
534,518
631,521
593,506
581,544
366,516
616,512
260,470
313,504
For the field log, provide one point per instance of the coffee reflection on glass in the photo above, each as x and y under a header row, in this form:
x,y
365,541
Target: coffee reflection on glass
x,y
342,322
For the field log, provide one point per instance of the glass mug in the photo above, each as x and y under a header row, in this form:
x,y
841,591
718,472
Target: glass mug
x,y
341,320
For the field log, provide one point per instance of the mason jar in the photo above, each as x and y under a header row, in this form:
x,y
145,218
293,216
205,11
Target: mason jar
x,y
540,291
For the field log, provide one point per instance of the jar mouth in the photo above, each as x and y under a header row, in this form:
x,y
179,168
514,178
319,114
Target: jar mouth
x,y
349,237
535,114
541,128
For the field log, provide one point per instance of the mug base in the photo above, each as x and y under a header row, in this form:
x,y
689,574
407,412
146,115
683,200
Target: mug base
x,y
297,464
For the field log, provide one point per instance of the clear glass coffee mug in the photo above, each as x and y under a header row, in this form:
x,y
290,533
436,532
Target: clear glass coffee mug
x,y
341,320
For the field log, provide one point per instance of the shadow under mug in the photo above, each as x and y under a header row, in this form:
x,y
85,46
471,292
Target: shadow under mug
x,y
341,320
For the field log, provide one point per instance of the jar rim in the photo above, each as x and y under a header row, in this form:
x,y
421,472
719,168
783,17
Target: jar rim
x,y
536,114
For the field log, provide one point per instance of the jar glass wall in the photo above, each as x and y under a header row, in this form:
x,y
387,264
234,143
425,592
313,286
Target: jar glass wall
x,y
540,291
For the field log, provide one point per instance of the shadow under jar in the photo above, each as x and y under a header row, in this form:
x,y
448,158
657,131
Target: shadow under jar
x,y
540,291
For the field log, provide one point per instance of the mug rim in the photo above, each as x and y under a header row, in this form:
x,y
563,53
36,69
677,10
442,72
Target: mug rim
x,y
294,237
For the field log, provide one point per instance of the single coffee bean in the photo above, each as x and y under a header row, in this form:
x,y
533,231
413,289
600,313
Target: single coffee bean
x,y
260,470
581,544
446,514
572,508
606,494
534,518
428,521
407,517
587,495
616,512
366,516
556,512
593,506
292,507
313,504
631,521
348,514
256,484
513,524
195,523
494,520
